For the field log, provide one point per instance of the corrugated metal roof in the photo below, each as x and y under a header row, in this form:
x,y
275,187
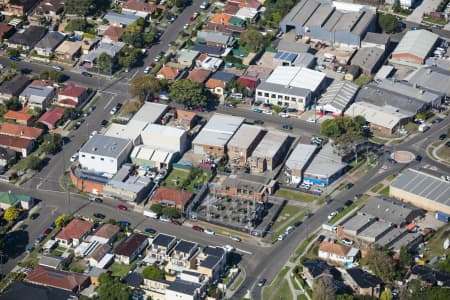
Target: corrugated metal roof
x,y
417,42
300,156
339,95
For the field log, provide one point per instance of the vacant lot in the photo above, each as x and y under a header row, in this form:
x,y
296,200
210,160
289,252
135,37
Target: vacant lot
x,y
191,179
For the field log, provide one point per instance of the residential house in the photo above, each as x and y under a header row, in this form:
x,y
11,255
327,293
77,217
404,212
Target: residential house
x,y
212,262
160,247
222,18
20,145
19,117
49,8
209,50
38,97
364,283
88,44
108,47
47,45
130,248
315,268
218,81
155,288
74,232
199,75
106,234
19,290
5,31
7,157
8,199
98,254
13,88
113,33
21,131
337,253
225,28
72,96
18,7
104,154
168,73
182,289
120,20
26,39
250,84
183,256
68,50
68,281
138,8
51,117
209,63
187,57
430,277
172,197
216,39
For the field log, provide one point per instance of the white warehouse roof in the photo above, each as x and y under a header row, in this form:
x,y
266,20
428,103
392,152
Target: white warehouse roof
x,y
416,42
297,77
150,112
219,130
300,156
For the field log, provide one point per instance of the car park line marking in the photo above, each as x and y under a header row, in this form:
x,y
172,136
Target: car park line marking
x,y
243,251
109,102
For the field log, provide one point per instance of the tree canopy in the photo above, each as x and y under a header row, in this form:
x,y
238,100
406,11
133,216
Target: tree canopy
x,y
276,10
188,93
85,8
344,131
105,63
387,23
252,39
52,143
76,25
145,86
381,264
324,289
129,57
111,288
61,220
11,214
153,272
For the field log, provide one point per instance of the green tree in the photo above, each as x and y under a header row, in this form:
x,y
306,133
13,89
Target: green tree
x,y
13,65
144,87
181,3
13,52
405,257
324,289
252,39
171,212
11,214
157,208
235,86
13,103
135,39
56,76
81,8
153,272
105,63
61,221
381,264
129,57
111,288
44,75
386,294
387,23
76,25
52,143
33,162
188,93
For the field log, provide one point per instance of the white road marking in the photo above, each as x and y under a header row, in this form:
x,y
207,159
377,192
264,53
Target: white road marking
x,y
243,251
109,102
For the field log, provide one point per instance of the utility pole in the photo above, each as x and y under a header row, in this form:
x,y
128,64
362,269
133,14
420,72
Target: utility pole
x,y
67,184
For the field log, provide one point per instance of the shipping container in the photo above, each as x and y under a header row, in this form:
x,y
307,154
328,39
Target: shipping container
x,y
442,217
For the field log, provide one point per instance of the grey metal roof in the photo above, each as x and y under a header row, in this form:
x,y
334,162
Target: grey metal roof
x,y
300,156
368,58
339,95
163,240
245,136
211,50
51,40
375,231
376,38
271,143
326,163
214,37
111,48
39,91
279,88
293,47
184,287
223,76
321,15
29,37
388,210
107,146
432,78
306,60
348,21
363,22
423,185
127,19
306,12
417,42
333,20
150,112
357,223
219,129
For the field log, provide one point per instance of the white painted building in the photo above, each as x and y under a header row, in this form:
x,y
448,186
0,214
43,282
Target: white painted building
x,y
165,137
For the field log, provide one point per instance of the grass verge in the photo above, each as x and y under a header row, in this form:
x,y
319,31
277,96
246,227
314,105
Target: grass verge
x,y
294,195
268,291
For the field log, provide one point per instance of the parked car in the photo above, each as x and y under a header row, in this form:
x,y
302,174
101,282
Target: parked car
x,y
442,136
347,242
99,216
332,215
147,70
297,224
39,239
320,238
283,115
150,230
14,58
281,236
58,68
262,282
259,122
124,223
30,249
87,74
122,207
349,185
209,231
47,231
267,112
103,123
74,157
198,228
287,127
418,158
34,216
348,202
257,110
339,209
113,110
289,229
93,133
186,26
235,238
165,219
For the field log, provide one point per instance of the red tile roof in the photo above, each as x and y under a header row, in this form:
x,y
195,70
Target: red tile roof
x,y
4,28
67,102
20,130
199,75
14,142
168,72
179,197
221,18
75,230
114,32
213,83
72,90
107,231
58,279
51,117
139,6
128,246
17,115
230,9
249,82
340,250
41,82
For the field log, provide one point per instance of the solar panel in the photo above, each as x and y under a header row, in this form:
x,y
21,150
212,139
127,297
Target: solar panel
x,y
286,56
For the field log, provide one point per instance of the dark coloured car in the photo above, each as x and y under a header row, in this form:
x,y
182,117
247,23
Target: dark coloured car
x,y
34,216
442,136
339,209
392,161
259,122
124,223
53,225
39,239
447,144
287,127
349,185
30,249
297,224
419,158
99,216
150,230
87,74
14,58
122,207
348,202
438,120
103,123
198,228
320,238
47,231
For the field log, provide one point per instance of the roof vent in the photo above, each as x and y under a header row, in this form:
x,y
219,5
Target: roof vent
x,y
94,149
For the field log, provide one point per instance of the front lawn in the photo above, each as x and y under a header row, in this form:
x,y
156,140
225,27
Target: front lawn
x,y
120,270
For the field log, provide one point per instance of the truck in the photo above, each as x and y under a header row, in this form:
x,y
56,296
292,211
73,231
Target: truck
x,y
151,214
423,127
442,217
329,56
329,227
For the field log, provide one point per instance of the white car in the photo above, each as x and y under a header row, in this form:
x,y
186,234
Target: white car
x,y
165,219
311,120
347,242
235,238
267,112
209,231
289,229
147,70
332,215
228,248
283,115
281,236
113,110
186,26
93,133
74,157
